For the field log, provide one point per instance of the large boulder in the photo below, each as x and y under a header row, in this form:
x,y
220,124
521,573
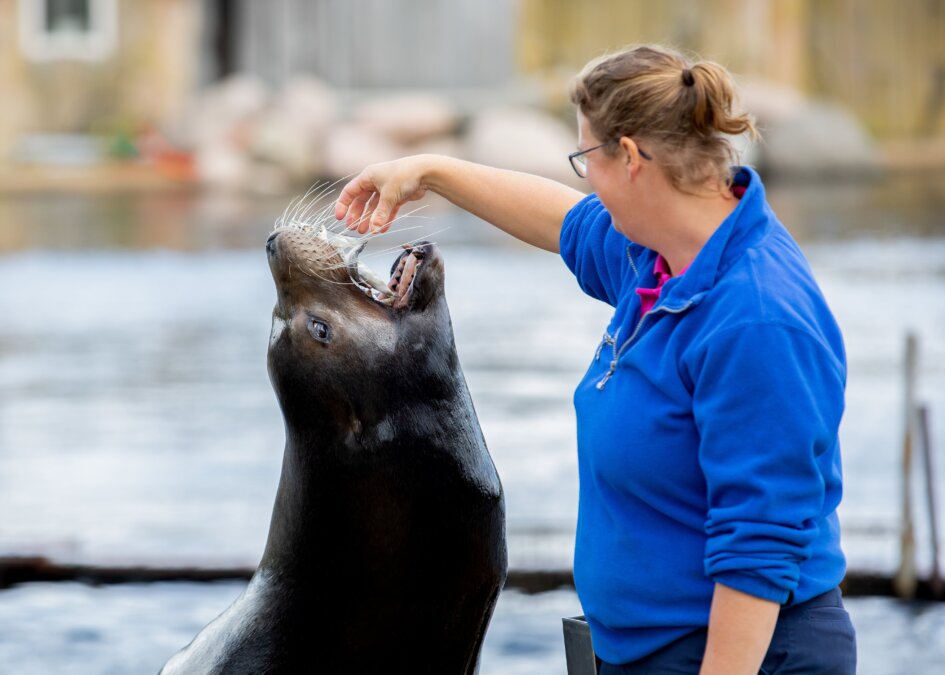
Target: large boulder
x,y
216,128
523,139
769,102
350,147
803,137
223,165
407,118
821,138
222,108
291,133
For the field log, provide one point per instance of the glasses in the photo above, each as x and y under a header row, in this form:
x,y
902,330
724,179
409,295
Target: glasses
x,y
579,161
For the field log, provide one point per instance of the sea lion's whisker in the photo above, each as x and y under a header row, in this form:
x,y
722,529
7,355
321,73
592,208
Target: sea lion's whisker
x,y
302,213
371,236
280,221
407,243
301,200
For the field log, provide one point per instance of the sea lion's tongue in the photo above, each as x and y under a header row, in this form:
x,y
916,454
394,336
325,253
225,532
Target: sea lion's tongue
x,y
404,275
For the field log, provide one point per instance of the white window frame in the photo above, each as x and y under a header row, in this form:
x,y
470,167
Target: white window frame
x,y
96,44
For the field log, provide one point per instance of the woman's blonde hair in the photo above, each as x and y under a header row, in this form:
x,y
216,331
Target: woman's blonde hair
x,y
684,111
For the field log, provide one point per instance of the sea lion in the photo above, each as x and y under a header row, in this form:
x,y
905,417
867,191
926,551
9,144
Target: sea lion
x,y
386,549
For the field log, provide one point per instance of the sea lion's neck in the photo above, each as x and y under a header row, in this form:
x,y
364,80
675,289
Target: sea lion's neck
x,y
295,512
339,477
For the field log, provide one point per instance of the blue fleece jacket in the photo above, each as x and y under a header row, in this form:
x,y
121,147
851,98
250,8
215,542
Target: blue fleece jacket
x,y
707,430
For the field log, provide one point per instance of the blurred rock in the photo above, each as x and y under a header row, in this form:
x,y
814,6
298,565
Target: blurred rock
x,y
769,102
746,151
313,101
818,139
800,136
221,108
408,118
275,137
217,126
223,165
350,147
291,133
523,139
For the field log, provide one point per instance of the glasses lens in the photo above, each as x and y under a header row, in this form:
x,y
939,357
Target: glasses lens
x,y
580,165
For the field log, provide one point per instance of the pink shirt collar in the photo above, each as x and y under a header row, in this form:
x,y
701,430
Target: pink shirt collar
x,y
649,296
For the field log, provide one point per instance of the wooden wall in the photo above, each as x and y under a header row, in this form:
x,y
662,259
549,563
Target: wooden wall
x,y
379,43
884,59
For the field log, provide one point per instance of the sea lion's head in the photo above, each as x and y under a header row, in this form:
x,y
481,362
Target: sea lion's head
x,y
347,347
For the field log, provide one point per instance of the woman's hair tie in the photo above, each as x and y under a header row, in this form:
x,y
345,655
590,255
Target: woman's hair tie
x,y
687,78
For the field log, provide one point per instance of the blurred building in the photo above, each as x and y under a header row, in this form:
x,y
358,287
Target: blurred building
x,y
117,66
369,43
85,65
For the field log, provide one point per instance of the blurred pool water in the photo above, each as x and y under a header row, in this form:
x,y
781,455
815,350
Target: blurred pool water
x,y
117,630
137,422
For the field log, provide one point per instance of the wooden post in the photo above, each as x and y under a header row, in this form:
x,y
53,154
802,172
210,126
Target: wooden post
x,y
905,581
925,439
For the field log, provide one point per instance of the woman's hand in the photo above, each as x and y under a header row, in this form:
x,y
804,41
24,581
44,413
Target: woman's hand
x,y
372,199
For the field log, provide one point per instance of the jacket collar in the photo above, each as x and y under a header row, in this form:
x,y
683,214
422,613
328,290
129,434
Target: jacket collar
x,y
743,227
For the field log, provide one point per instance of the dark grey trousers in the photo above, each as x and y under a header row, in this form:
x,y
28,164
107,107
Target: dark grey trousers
x,y
813,637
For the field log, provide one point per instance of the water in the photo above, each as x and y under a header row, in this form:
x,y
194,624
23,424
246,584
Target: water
x,y
137,424
47,629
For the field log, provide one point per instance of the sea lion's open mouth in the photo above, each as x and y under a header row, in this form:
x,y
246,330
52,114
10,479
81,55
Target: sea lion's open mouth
x,y
405,275
322,254
405,272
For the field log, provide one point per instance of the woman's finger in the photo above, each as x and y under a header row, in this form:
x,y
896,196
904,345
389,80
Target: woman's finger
x,y
363,222
356,209
388,202
361,184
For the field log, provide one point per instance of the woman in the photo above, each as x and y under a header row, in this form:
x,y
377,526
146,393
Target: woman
x,y
709,464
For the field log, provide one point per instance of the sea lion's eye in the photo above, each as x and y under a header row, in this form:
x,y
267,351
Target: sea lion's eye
x,y
320,330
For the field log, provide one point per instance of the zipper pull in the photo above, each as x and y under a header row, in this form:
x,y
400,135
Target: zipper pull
x,y
606,340
609,374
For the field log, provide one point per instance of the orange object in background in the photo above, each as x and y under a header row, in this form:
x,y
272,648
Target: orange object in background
x,y
170,161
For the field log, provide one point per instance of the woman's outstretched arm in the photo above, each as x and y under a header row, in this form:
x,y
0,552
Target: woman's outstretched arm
x,y
528,207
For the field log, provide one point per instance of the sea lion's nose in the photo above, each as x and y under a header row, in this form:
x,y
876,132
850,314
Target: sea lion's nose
x,y
271,243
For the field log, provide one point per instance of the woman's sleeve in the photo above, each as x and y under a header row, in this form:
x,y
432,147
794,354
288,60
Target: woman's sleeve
x,y
593,250
767,401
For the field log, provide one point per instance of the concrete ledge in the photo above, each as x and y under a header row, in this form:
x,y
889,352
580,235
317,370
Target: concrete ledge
x,y
16,570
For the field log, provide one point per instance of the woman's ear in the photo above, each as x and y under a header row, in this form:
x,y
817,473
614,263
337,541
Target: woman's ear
x,y
631,155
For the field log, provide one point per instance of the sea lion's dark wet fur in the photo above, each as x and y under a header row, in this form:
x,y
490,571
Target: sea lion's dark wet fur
x,y
386,550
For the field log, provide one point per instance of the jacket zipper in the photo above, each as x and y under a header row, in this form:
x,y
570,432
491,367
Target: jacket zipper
x,y
617,352
632,264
